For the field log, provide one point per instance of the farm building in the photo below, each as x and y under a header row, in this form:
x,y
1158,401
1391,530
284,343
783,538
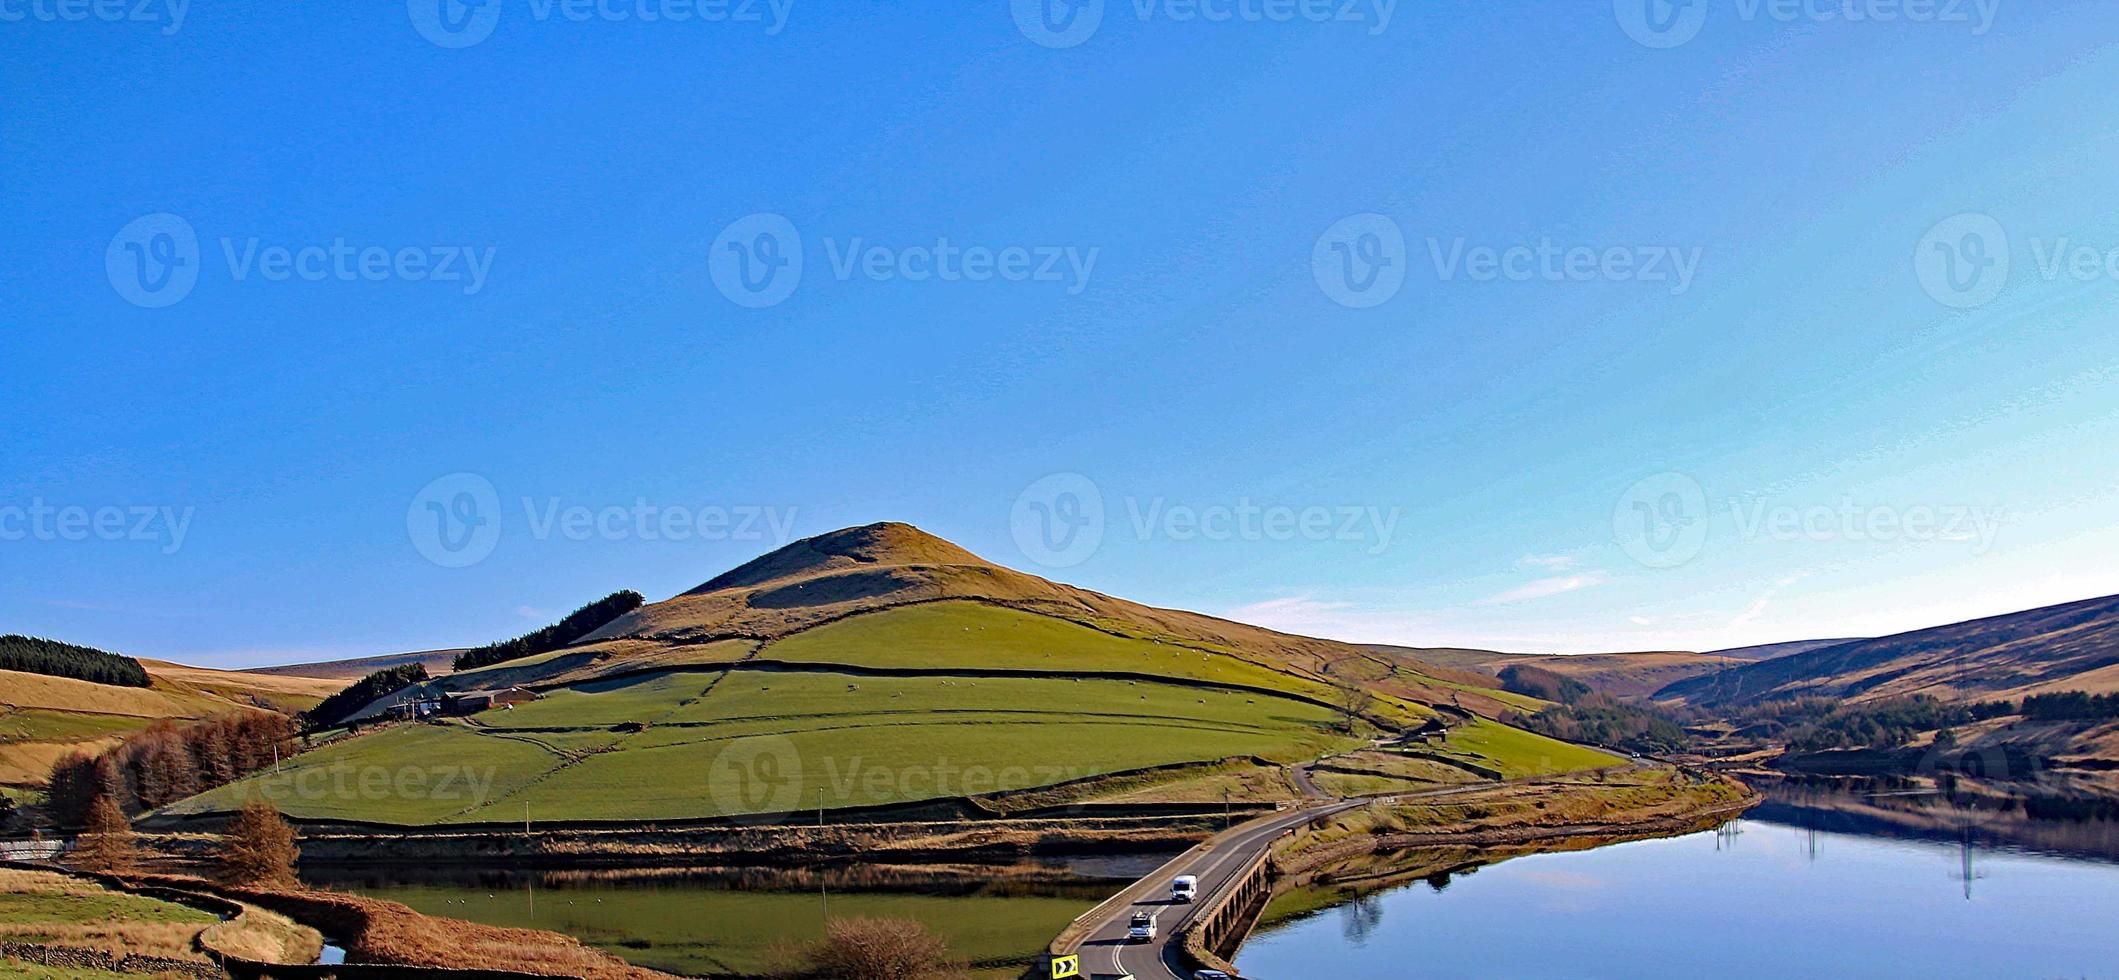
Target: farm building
x,y
471,702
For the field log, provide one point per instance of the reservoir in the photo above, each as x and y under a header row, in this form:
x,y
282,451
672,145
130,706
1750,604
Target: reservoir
x,y
1771,897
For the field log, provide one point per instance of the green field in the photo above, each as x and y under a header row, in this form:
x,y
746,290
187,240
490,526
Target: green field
x,y
701,928
756,742
411,774
959,634
1516,753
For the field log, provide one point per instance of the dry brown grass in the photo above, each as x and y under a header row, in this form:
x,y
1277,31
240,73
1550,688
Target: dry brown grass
x,y
266,936
171,939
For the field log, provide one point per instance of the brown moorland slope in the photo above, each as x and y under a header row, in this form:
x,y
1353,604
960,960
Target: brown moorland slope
x,y
1617,674
2068,647
43,718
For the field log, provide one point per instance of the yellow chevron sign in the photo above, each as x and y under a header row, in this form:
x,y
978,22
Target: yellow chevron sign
x,y
1066,966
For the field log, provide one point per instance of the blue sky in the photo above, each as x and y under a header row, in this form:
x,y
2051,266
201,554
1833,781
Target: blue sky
x,y
459,334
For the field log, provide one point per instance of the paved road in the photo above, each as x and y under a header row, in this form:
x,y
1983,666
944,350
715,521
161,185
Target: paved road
x,y
1106,952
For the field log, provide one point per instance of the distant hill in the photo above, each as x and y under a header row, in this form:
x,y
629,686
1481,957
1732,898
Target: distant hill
x,y
437,662
1617,674
881,668
2073,646
1768,651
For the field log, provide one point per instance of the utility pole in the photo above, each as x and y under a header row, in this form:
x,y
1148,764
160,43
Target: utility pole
x,y
526,818
820,807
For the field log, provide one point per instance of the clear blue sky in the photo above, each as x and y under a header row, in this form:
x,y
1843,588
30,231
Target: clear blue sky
x,y
1196,358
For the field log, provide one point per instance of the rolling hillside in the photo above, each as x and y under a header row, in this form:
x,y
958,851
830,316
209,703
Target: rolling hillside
x,y
1768,651
1617,674
2073,646
882,667
437,662
43,718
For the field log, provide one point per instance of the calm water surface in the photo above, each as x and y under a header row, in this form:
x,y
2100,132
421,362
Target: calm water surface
x,y
1753,900
726,923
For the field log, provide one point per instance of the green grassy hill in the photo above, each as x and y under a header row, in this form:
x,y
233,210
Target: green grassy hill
x,y
878,667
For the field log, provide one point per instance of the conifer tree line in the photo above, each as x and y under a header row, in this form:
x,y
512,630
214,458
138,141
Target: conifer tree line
x,y
577,624
167,763
357,695
36,655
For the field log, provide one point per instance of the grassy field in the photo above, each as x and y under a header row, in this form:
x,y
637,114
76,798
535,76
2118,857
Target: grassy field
x,y
724,932
943,635
1517,753
42,907
412,774
748,742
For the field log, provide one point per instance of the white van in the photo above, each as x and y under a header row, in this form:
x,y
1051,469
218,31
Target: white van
x,y
1184,889
1142,929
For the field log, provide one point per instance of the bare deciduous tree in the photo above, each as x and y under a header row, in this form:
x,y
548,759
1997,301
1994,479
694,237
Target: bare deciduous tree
x,y
880,949
258,848
107,844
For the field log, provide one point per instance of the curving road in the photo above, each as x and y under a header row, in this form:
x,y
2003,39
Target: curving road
x,y
1106,953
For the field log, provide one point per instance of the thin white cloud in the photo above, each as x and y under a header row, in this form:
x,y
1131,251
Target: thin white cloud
x,y
1547,587
536,615
1308,615
1556,563
1640,621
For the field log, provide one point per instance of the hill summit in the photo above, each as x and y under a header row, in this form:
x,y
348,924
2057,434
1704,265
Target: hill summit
x,y
881,544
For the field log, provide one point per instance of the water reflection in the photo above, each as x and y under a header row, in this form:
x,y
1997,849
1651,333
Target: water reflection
x,y
1819,882
741,922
